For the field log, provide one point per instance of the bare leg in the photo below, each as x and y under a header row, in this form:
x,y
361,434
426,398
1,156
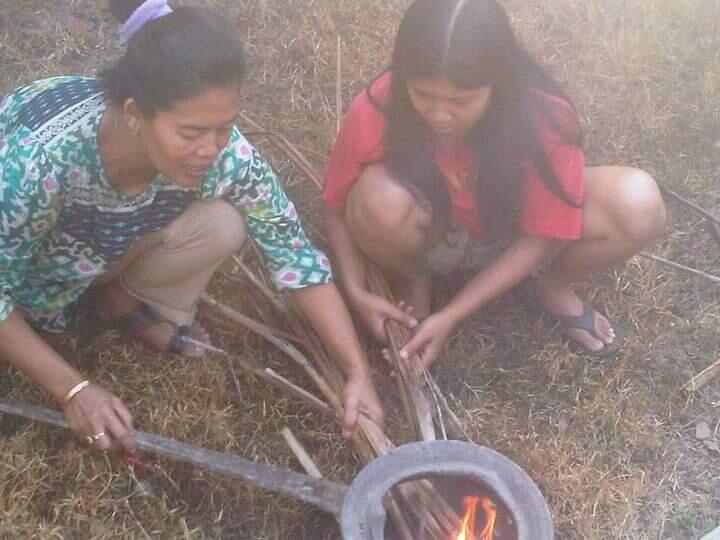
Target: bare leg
x,y
390,226
623,212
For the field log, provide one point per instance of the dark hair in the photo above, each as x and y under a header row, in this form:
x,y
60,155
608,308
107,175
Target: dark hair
x,y
470,43
122,9
174,57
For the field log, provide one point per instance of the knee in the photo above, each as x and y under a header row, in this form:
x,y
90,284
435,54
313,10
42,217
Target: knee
x,y
378,205
215,224
641,207
225,227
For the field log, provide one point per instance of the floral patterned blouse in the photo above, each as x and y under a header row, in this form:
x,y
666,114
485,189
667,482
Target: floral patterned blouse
x,y
62,224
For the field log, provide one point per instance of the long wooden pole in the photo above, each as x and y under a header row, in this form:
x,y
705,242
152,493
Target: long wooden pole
x,y
319,492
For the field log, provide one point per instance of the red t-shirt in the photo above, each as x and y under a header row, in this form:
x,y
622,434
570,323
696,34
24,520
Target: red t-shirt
x,y
360,143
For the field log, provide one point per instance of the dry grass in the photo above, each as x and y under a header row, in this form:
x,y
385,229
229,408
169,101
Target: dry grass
x,y
610,443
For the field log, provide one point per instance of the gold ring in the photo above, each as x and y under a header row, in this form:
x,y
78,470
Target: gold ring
x,y
91,439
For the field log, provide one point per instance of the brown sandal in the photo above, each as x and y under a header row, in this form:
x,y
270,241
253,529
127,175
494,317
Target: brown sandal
x,y
139,320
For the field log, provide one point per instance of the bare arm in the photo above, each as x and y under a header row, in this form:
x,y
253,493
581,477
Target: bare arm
x,y
91,411
21,347
325,310
513,265
26,178
347,257
350,263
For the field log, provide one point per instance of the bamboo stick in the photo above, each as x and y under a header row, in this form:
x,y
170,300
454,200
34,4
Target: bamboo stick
x,y
300,453
267,374
280,343
292,338
260,285
710,277
319,155
290,151
417,407
713,218
455,424
402,528
270,375
702,378
236,383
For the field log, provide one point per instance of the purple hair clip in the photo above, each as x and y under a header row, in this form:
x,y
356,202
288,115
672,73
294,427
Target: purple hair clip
x,y
147,11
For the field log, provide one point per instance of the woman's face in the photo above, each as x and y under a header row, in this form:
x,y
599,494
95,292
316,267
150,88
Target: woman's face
x,y
448,109
182,142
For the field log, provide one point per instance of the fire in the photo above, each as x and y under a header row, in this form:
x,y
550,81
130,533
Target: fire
x,y
467,527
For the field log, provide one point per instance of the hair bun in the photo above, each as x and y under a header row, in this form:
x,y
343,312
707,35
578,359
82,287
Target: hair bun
x,y
122,9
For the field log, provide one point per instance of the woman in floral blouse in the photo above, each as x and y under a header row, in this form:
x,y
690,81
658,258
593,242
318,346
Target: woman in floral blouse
x,y
138,185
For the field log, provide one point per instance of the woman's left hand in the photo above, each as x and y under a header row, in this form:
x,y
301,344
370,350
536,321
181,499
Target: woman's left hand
x,y
429,338
360,397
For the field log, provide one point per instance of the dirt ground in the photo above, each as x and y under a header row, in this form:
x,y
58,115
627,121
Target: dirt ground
x,y
612,443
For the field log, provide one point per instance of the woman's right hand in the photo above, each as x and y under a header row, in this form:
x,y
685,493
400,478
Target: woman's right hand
x,y
374,310
90,409
94,411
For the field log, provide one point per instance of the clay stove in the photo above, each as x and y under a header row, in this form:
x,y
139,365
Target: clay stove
x,y
363,516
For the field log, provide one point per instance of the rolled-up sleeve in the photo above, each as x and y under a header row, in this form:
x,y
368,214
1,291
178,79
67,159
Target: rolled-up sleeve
x,y
28,211
272,219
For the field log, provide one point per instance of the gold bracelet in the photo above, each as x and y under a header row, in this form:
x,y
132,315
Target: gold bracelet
x,y
74,391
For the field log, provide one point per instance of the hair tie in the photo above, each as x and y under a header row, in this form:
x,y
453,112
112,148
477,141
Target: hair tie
x,y
147,11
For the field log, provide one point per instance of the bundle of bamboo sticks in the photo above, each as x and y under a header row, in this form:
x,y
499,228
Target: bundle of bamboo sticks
x,y
419,497
425,406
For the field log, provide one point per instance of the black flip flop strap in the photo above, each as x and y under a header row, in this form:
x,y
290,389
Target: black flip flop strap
x,y
177,342
584,321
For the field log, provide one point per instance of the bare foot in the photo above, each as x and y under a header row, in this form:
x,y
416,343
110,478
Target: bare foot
x,y
415,292
559,299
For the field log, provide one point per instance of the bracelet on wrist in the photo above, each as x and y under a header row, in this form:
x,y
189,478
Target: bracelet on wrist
x,y
74,391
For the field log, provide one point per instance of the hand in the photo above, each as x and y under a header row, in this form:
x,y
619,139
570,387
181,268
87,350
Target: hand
x,y
360,397
374,310
94,410
429,338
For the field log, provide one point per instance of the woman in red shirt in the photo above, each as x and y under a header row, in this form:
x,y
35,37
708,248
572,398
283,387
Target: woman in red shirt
x,y
465,154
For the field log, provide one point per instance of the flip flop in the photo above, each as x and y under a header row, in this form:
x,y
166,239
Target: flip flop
x,y
139,320
525,293
586,321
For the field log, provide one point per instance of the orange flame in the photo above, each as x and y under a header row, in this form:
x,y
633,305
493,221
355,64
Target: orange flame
x,y
467,527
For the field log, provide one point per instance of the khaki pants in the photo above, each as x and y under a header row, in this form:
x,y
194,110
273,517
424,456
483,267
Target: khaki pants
x,y
457,250
169,269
